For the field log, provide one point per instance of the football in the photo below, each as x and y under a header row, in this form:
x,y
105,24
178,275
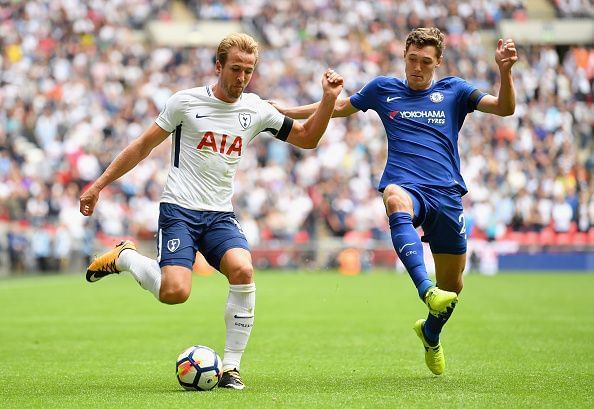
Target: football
x,y
198,368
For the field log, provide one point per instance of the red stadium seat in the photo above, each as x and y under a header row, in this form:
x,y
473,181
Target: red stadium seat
x,y
479,234
530,237
301,237
591,236
563,239
579,238
511,235
354,237
547,236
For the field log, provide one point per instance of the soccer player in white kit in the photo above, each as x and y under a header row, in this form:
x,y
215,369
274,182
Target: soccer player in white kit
x,y
210,126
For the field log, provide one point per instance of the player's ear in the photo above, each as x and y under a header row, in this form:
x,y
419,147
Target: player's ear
x,y
218,67
439,60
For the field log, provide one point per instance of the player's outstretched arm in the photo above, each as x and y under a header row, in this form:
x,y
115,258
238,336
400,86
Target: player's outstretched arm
x,y
308,134
122,164
342,108
504,103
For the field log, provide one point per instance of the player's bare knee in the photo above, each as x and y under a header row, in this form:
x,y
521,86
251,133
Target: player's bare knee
x,y
397,200
242,275
174,294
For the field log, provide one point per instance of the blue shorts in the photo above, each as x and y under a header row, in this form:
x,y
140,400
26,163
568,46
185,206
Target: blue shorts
x,y
183,232
440,213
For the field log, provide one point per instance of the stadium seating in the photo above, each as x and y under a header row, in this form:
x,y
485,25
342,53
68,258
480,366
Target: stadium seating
x,y
80,85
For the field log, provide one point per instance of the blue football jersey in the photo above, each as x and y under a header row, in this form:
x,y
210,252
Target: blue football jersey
x,y
422,128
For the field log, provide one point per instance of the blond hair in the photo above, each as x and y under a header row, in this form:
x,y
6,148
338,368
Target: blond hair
x,y
424,36
242,41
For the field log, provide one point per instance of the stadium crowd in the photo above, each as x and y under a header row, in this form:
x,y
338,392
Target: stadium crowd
x,y
77,85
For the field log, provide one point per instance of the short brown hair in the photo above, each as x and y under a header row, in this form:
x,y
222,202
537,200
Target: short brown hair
x,y
424,36
240,40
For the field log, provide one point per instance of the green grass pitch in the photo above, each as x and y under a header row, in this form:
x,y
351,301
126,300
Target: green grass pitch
x,y
321,340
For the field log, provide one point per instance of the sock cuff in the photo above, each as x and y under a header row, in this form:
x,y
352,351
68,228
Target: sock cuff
x,y
242,288
423,287
400,218
123,261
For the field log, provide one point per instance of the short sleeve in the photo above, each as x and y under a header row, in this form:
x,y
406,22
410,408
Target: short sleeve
x,y
171,115
468,95
366,97
274,122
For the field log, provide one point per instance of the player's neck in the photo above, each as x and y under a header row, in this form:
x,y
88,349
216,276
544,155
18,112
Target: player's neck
x,y
420,87
220,95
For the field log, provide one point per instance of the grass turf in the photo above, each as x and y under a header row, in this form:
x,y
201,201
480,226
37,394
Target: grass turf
x,y
320,340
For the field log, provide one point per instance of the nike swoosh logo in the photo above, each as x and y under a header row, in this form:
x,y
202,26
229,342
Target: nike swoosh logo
x,y
91,278
390,99
402,248
243,316
201,116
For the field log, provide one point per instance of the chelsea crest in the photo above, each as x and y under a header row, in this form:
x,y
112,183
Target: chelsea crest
x,y
436,97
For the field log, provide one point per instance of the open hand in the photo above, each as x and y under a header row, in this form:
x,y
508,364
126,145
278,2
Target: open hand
x,y
275,104
506,54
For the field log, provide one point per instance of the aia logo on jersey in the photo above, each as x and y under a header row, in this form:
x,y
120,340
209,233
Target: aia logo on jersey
x,y
221,143
436,97
245,120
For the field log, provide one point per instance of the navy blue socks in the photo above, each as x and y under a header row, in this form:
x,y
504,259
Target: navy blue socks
x,y
434,324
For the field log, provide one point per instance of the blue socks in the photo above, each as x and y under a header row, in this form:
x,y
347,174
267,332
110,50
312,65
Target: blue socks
x,y
409,248
433,326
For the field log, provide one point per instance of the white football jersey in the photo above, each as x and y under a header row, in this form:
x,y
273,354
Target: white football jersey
x,y
209,138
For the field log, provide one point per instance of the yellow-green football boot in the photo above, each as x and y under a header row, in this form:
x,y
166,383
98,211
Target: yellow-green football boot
x,y
438,300
434,357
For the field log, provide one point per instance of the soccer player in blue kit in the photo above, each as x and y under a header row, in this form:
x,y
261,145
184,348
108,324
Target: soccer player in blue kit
x,y
421,183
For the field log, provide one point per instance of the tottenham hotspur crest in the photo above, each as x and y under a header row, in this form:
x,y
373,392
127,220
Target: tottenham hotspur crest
x,y
436,97
245,120
173,245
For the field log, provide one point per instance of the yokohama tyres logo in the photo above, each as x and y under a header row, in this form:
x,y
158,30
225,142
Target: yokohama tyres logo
x,y
433,117
422,114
